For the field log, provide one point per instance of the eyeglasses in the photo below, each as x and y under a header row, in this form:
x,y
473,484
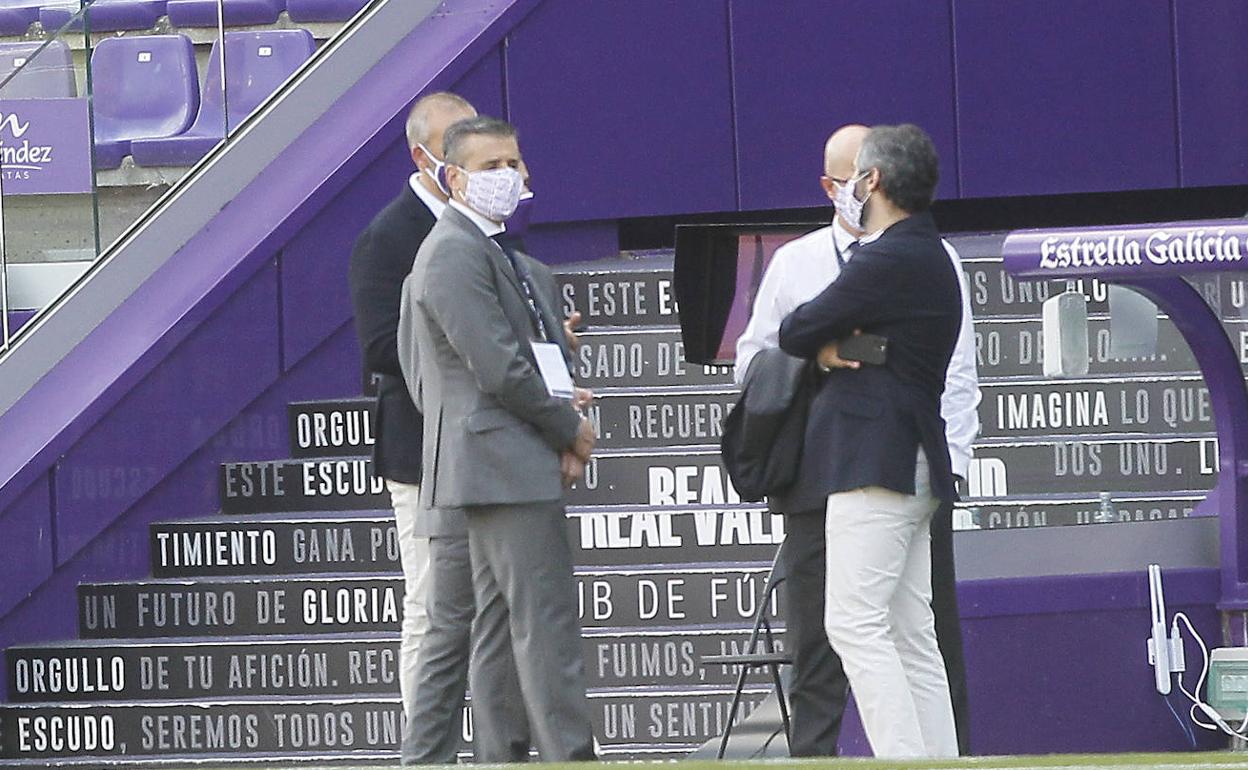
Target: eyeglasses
x,y
853,179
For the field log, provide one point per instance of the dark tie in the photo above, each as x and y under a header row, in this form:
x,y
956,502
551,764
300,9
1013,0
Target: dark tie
x,y
540,324
843,256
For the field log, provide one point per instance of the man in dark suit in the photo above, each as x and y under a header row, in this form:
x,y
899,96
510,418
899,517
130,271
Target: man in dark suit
x,y
875,450
381,259
798,271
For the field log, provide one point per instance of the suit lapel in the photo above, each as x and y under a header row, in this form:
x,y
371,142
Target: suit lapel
x,y
502,265
415,208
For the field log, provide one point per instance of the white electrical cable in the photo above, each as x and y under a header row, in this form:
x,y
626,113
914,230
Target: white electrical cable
x,y
1206,709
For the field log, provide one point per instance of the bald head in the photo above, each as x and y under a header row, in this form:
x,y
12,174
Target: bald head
x,y
427,122
841,149
432,114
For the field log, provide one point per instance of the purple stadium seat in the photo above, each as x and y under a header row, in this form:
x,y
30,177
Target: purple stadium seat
x,y
323,10
50,74
256,64
144,87
203,13
16,16
107,15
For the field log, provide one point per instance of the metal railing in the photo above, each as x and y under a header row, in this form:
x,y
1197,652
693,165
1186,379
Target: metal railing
x,y
44,216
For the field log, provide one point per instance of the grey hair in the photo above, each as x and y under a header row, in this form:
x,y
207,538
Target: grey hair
x,y
418,118
909,167
456,137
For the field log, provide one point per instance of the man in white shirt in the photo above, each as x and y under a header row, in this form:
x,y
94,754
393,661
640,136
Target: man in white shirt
x,y
798,272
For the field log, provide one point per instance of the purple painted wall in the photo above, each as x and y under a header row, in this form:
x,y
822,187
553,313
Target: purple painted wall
x,y
1210,92
252,313
1058,664
188,488
625,109
804,67
1047,103
661,108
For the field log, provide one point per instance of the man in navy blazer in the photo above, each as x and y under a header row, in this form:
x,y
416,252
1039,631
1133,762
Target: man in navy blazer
x,y
875,448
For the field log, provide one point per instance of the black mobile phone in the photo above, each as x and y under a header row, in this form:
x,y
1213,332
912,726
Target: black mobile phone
x,y
867,348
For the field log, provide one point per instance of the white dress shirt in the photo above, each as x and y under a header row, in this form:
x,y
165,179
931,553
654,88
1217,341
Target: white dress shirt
x,y
435,205
487,226
802,268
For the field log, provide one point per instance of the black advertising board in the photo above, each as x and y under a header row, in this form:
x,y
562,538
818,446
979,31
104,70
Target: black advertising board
x,y
342,428
661,418
363,728
1076,468
336,667
640,358
1031,514
369,543
1153,407
607,598
637,294
341,484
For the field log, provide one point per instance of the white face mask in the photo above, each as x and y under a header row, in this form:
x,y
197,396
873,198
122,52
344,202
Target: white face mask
x,y
495,193
438,175
847,205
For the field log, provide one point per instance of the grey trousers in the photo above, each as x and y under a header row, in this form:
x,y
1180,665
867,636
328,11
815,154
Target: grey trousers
x,y
526,623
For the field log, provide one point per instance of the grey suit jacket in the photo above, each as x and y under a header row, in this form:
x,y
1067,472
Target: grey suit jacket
x,y
492,432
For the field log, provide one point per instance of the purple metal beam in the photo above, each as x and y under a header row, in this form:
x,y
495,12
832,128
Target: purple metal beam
x,y
1219,364
243,236
1153,259
1166,250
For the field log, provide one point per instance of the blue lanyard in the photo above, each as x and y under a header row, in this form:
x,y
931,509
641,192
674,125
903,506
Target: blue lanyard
x,y
535,314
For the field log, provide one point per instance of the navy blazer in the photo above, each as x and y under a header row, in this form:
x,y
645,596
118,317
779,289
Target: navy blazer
x,y
381,259
866,424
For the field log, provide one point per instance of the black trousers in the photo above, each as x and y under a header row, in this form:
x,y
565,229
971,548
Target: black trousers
x,y
819,687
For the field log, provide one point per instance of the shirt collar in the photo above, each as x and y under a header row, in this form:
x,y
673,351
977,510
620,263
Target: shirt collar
x,y
486,226
842,239
431,201
871,237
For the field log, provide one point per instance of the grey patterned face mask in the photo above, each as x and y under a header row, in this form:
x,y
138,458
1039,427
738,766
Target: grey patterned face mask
x,y
494,193
848,206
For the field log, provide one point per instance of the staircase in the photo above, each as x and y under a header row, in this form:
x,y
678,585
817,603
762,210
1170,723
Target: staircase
x,y
269,630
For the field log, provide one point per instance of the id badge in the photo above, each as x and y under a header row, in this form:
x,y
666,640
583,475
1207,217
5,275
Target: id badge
x,y
554,369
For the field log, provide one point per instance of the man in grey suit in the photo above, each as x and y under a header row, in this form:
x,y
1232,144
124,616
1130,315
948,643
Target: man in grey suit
x,y
501,442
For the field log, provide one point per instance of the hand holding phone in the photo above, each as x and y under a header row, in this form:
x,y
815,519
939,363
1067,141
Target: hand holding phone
x,y
865,348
